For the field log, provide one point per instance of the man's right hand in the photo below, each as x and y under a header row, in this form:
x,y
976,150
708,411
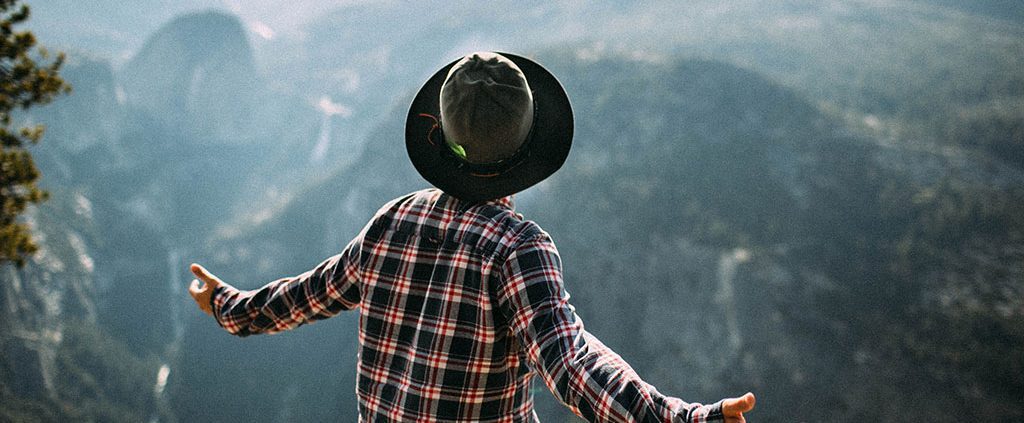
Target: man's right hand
x,y
733,408
203,293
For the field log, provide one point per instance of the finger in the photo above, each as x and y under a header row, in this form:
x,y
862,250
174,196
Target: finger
x,y
204,275
750,401
735,406
194,288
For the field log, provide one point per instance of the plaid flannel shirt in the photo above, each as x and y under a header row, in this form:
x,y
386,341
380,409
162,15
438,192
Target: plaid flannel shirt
x,y
461,305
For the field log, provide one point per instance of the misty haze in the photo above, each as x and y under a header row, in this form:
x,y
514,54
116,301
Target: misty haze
x,y
821,202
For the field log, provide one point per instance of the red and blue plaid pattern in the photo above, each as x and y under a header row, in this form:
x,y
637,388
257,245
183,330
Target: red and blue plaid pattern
x,y
461,305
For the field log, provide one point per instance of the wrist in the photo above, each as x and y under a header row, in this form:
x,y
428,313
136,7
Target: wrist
x,y
217,298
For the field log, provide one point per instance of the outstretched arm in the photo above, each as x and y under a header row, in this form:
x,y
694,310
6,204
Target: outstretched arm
x,y
583,373
283,304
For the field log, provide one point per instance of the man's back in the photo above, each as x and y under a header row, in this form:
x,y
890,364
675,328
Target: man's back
x,y
433,339
461,304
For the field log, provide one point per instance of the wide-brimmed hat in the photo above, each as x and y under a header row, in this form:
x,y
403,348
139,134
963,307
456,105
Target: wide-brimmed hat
x,y
506,125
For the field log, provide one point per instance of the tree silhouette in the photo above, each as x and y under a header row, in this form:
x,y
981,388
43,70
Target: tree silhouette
x,y
24,82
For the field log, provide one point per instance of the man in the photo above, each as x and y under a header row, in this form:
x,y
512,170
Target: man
x,y
461,300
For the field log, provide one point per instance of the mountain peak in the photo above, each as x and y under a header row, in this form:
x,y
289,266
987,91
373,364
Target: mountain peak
x,y
197,72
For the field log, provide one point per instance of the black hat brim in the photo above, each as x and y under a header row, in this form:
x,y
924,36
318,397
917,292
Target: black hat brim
x,y
542,155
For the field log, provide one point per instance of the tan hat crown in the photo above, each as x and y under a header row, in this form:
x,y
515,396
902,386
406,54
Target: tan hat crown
x,y
486,107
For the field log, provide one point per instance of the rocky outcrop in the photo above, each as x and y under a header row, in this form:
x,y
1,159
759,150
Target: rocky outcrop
x,y
197,73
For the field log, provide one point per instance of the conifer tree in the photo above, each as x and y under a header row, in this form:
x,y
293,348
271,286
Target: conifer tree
x,y
24,82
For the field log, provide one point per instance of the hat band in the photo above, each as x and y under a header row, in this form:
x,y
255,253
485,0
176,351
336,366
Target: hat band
x,y
483,170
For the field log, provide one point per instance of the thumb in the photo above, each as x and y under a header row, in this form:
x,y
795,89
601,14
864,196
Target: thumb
x,y
205,276
735,406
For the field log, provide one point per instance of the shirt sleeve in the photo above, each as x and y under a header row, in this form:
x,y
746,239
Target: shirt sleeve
x,y
583,373
328,289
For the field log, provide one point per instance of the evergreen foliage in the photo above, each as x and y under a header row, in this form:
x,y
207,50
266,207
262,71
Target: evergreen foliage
x,y
24,82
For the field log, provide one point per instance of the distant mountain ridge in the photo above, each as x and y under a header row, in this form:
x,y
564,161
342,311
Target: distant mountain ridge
x,y
825,195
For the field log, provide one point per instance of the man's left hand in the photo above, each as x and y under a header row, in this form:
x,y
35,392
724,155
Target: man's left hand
x,y
733,408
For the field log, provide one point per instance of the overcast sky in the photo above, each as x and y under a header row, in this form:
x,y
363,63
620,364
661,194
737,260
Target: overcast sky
x,y
115,29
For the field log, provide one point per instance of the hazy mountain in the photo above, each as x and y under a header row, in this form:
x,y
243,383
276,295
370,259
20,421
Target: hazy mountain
x,y
779,247
126,159
198,70
817,201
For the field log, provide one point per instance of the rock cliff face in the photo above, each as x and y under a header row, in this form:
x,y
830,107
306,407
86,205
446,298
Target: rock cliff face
x,y
38,301
89,118
89,323
59,363
198,72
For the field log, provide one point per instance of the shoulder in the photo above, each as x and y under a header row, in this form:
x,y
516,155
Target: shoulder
x,y
392,213
405,205
421,197
493,229
526,235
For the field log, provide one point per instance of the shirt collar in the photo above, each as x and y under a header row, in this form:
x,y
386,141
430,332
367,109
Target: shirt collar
x,y
505,202
454,203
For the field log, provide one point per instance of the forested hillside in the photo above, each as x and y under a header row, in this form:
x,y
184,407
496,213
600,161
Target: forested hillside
x,y
820,202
